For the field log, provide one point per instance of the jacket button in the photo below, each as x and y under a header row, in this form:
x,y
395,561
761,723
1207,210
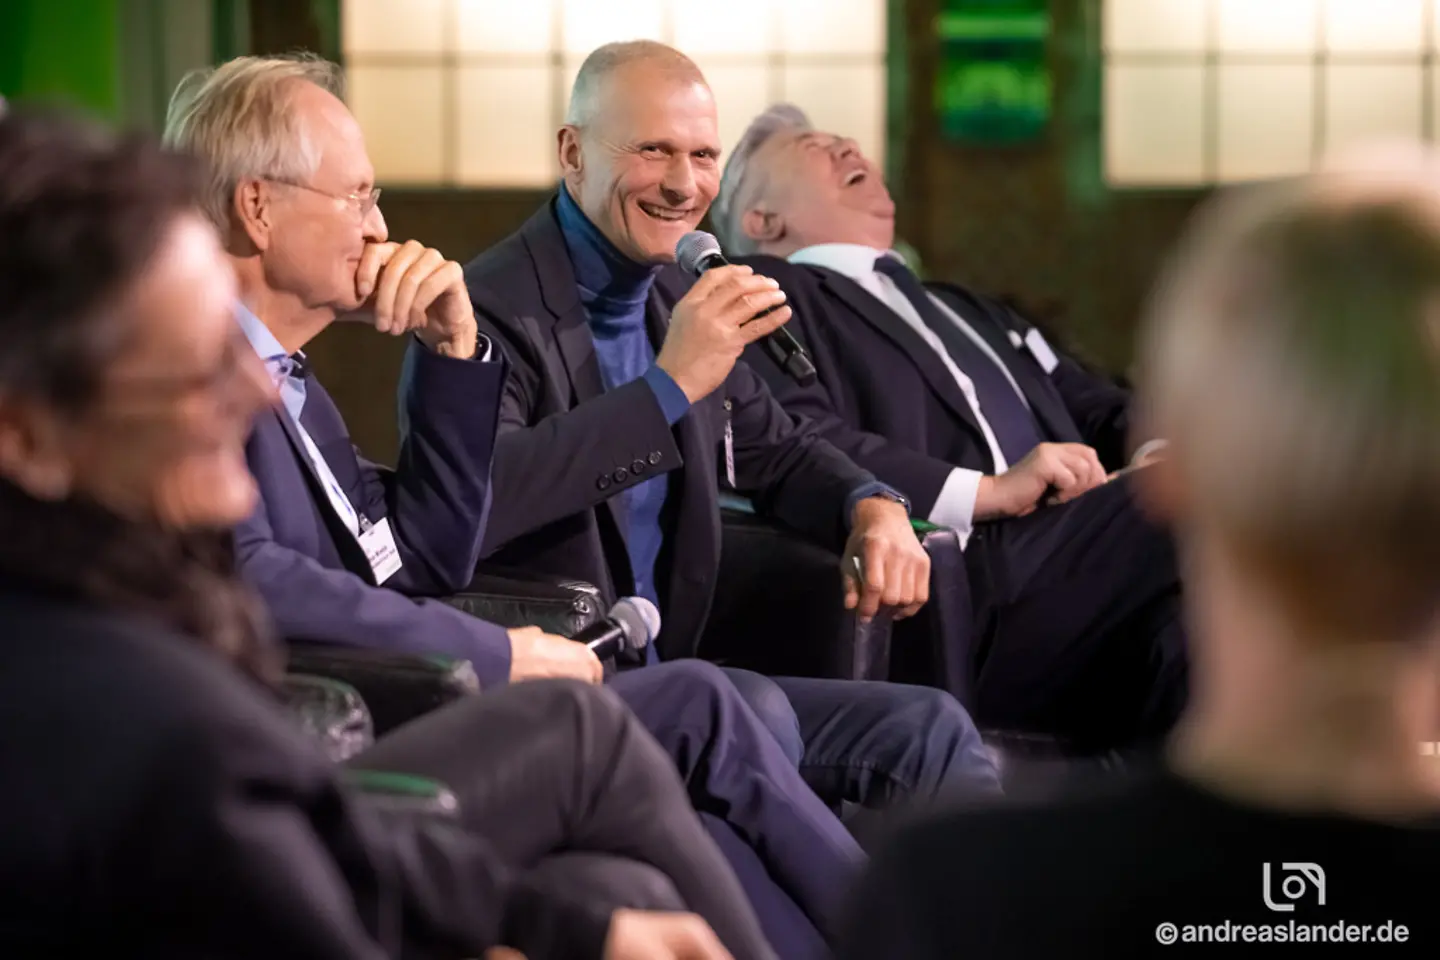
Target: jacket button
x,y
654,457
602,482
621,474
638,467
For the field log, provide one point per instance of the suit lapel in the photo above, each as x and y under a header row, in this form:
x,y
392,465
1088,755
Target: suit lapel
x,y
1045,401
350,551
884,320
561,296
575,346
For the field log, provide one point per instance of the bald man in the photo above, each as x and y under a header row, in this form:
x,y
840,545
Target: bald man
x,y
958,402
624,390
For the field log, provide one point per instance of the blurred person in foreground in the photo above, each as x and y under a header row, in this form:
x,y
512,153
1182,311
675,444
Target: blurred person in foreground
x,y
157,800
1292,356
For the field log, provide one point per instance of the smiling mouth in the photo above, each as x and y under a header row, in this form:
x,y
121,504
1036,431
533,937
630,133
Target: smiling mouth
x,y
663,214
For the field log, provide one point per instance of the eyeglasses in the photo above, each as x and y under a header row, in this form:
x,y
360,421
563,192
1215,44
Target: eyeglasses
x,y
363,203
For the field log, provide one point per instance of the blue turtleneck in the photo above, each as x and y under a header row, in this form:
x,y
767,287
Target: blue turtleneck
x,y
614,290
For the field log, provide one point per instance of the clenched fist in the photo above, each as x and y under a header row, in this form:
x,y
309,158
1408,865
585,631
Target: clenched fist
x,y
536,655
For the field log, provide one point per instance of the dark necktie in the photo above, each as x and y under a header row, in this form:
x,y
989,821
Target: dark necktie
x,y
1009,418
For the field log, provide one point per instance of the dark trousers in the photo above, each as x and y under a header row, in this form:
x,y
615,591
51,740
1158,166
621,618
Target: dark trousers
x,y
556,767
1078,614
873,744
795,859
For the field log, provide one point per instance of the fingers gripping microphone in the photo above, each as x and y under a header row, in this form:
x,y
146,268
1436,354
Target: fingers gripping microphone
x,y
630,626
697,252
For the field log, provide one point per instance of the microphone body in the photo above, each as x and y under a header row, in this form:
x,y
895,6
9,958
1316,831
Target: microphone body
x,y
697,252
629,626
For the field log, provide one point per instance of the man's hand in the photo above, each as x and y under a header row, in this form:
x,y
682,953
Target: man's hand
x,y
644,935
536,655
1070,468
884,564
712,325
412,287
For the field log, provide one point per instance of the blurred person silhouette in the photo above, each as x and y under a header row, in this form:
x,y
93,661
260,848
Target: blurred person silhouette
x,y
157,800
1292,356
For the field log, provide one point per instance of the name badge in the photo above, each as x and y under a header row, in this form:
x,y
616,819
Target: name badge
x,y
1041,351
729,446
379,546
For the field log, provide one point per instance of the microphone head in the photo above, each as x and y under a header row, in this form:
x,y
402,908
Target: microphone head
x,y
693,250
638,620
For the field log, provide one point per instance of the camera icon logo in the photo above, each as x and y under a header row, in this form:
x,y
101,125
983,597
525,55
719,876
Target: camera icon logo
x,y
1303,878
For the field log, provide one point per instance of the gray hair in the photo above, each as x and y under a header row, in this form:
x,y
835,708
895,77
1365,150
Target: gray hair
x,y
740,185
585,95
1292,355
237,118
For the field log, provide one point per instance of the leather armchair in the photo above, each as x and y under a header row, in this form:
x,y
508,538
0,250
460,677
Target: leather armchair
x,y
331,711
779,606
400,687
936,647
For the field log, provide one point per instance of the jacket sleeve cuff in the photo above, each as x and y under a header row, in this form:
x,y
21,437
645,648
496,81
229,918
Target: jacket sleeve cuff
x,y
872,488
673,402
484,348
955,507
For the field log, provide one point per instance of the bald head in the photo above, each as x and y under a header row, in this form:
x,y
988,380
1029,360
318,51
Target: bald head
x,y
1292,355
640,150
626,63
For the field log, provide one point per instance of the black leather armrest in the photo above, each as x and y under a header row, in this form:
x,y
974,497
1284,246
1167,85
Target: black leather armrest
x,y
396,687
780,608
519,598
936,647
332,712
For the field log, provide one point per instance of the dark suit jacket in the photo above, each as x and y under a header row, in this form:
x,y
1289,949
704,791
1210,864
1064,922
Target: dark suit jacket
x,y
313,575
157,805
885,398
567,446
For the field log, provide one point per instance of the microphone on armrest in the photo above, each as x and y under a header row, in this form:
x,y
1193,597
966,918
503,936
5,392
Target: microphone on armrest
x,y
630,626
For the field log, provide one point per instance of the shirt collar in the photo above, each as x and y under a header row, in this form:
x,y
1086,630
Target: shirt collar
x,y
258,334
854,260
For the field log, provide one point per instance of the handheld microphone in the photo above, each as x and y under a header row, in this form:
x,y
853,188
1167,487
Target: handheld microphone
x,y
697,252
629,627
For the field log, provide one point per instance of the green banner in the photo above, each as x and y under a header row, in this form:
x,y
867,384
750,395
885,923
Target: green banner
x,y
993,81
61,51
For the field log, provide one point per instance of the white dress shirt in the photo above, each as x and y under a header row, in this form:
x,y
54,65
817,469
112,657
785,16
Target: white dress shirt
x,y
292,395
955,507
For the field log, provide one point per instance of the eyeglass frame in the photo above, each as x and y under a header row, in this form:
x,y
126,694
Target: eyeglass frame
x,y
364,204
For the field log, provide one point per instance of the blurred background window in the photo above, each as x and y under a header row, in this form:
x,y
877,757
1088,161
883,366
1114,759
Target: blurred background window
x,y
1199,92
469,93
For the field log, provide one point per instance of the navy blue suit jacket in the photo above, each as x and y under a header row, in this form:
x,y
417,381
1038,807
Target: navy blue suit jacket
x,y
568,446
885,398
306,564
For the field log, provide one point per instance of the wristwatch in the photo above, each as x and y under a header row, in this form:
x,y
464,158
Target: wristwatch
x,y
886,493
